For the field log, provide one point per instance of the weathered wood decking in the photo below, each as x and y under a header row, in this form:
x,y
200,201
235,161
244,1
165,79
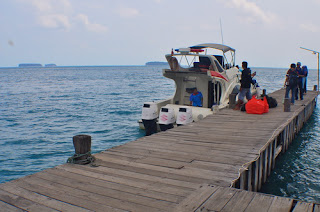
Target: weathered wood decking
x,y
184,169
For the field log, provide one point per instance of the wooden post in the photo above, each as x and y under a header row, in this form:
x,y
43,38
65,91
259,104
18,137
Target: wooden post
x,y
287,102
232,100
274,151
250,177
260,171
256,175
270,157
82,145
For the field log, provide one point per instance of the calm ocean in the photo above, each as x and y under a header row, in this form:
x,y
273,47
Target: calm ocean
x,y
41,109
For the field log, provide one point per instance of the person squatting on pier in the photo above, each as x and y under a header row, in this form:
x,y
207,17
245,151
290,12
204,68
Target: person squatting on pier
x,y
246,81
196,98
300,87
291,82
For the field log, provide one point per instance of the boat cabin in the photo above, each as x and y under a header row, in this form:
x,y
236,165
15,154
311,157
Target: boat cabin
x,y
211,74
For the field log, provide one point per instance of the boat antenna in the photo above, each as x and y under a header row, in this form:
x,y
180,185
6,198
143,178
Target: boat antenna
x,y
222,39
221,31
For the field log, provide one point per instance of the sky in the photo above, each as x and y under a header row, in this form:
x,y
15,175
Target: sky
x,y
126,32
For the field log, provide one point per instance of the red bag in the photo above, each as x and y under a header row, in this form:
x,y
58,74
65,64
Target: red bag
x,y
255,106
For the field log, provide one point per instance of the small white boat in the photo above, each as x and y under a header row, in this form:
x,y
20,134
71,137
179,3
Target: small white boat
x,y
214,75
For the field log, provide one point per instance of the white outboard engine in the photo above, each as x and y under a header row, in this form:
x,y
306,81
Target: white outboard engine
x,y
184,115
149,117
166,118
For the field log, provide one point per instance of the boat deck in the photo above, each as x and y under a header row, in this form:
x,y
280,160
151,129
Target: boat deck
x,y
189,168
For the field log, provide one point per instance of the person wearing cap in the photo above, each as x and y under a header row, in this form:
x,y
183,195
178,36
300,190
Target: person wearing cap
x,y
196,98
300,87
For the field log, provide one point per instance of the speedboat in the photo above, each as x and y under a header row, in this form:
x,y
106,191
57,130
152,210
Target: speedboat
x,y
208,67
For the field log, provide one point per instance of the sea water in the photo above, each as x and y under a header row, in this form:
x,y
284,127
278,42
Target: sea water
x,y
41,109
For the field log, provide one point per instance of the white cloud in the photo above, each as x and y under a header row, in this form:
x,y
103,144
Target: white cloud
x,y
91,26
51,6
59,14
251,11
128,12
54,21
310,27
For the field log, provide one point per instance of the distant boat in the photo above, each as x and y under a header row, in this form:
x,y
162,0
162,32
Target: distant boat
x,y
50,65
156,63
29,65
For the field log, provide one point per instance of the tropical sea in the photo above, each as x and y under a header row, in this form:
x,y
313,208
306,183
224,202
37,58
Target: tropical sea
x,y
41,109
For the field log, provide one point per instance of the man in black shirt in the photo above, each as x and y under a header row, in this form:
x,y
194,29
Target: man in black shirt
x,y
246,81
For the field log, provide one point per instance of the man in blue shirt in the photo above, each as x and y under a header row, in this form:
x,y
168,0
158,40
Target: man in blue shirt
x,y
196,98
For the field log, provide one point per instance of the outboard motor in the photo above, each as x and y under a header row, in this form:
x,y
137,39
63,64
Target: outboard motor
x,y
149,117
166,118
184,115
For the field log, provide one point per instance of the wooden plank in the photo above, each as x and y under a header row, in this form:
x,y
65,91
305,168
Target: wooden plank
x,y
20,202
108,192
117,186
239,202
303,207
218,200
195,199
40,199
281,204
146,182
79,196
7,207
259,203
186,174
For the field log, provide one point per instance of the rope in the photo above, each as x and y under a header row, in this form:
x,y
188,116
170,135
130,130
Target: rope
x,y
75,158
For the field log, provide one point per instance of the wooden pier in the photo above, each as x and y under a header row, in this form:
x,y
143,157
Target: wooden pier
x,y
216,164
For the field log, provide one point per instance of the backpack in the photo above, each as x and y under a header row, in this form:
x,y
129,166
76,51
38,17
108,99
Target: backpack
x,y
272,102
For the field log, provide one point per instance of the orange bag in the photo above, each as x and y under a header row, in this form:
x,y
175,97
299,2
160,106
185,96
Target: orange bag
x,y
256,106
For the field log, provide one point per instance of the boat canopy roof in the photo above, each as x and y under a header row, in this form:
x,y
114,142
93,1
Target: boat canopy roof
x,y
221,47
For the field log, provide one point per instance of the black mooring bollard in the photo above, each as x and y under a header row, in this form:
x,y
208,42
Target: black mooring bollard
x,y
82,147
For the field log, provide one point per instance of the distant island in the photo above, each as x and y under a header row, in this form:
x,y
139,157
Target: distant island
x,y
50,65
29,65
156,63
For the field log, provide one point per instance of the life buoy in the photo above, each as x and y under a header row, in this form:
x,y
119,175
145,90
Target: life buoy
x,y
174,65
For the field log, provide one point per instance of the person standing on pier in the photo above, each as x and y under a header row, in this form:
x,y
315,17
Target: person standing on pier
x,y
246,81
304,79
300,86
291,82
